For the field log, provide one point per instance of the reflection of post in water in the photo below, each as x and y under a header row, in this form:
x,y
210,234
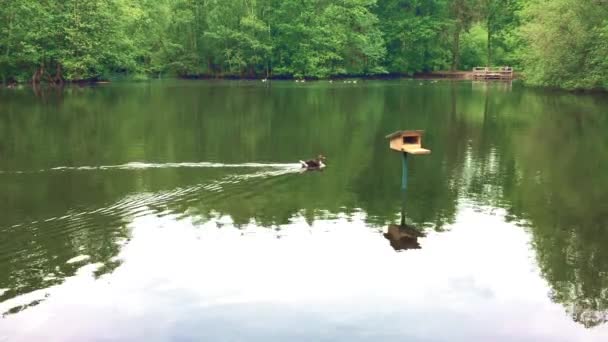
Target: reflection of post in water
x,y
404,174
405,236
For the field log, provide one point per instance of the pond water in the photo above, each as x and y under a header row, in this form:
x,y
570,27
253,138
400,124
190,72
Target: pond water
x,y
176,211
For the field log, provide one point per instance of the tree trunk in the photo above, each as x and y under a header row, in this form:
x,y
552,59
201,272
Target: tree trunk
x,y
8,47
38,74
49,79
456,49
489,46
58,79
269,56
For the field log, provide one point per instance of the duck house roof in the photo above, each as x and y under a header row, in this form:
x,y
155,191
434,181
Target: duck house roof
x,y
403,133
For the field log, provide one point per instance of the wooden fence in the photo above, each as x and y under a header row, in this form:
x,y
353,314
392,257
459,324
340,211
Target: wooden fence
x,y
487,73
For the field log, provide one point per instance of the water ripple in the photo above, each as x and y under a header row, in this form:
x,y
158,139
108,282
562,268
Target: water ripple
x,y
60,244
145,166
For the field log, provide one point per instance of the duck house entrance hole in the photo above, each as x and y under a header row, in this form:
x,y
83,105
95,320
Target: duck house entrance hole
x,y
413,140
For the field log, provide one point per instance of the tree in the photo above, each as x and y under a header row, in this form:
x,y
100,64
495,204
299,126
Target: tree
x,y
52,40
416,35
565,43
462,13
500,17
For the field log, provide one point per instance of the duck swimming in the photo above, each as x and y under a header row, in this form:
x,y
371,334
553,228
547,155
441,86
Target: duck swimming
x,y
314,164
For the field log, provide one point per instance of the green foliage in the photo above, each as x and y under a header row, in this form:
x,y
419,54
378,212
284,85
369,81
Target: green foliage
x,y
501,20
462,13
473,47
559,43
415,35
326,38
566,43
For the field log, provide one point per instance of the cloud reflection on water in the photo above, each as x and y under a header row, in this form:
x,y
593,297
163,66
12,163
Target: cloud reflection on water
x,y
336,279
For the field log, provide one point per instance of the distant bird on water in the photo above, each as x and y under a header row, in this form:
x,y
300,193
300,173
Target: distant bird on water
x,y
314,164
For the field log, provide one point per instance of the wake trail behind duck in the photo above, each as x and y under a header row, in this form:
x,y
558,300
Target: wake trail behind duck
x,y
145,166
134,205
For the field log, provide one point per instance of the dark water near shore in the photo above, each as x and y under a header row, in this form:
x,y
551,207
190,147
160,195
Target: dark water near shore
x,y
176,210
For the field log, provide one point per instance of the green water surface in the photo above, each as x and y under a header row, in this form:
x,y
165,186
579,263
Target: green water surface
x,y
176,210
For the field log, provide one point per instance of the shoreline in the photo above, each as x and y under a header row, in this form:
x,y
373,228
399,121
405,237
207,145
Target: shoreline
x,y
459,75
434,75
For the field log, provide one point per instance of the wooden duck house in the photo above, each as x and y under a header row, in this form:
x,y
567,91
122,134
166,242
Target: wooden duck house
x,y
407,141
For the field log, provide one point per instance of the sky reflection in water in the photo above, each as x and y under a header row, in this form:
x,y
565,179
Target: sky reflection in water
x,y
335,280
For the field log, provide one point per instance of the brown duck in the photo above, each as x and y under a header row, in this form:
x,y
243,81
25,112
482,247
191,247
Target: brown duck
x,y
314,164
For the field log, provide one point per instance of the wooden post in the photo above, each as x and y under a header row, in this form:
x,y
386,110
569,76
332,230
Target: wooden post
x,y
403,187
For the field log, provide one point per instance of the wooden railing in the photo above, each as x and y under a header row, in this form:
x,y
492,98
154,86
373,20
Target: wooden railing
x,y
487,73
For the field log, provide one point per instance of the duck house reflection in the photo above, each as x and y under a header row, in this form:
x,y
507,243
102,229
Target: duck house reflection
x,y
403,237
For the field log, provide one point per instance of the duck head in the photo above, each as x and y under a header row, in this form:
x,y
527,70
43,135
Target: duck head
x,y
321,160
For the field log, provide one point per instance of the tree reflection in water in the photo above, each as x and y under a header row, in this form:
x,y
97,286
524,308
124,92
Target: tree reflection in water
x,y
539,155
